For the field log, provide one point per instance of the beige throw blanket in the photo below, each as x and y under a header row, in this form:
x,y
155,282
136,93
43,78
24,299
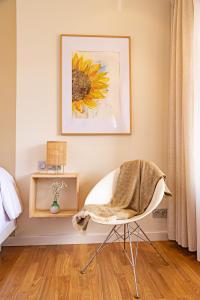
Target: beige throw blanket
x,y
135,187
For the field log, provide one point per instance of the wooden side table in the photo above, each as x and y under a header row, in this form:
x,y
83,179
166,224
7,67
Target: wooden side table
x,y
40,197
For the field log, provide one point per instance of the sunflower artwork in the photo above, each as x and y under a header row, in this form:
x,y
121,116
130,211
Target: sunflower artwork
x,y
95,85
90,85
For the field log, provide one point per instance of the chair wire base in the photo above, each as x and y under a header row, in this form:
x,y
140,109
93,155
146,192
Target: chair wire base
x,y
126,235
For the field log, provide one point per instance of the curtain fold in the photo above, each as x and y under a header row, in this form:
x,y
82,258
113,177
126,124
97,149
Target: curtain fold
x,y
182,208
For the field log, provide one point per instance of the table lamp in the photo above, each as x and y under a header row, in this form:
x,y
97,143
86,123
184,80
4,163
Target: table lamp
x,y
56,154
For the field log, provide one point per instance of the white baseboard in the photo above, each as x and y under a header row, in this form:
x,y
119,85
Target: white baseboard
x,y
89,238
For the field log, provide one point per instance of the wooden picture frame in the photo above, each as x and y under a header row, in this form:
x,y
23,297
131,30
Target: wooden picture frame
x,y
95,84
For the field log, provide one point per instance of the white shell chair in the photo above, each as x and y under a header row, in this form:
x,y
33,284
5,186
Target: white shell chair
x,y
101,194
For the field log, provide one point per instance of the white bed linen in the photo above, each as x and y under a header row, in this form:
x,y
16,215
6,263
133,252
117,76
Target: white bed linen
x,y
6,226
3,216
9,195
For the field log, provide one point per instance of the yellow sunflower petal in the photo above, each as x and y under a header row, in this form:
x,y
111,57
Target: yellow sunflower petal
x,y
89,97
94,69
73,107
78,105
80,63
74,60
97,94
103,80
99,85
90,103
99,76
86,65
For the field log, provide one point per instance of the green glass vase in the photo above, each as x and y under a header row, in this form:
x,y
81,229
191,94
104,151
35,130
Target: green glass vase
x,y
55,207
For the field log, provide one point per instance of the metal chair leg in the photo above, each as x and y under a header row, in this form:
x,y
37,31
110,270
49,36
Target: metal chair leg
x,y
136,249
152,245
124,236
133,262
127,235
99,248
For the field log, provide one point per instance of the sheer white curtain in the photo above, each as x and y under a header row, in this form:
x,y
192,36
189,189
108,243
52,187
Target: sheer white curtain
x,y
197,116
184,125
182,208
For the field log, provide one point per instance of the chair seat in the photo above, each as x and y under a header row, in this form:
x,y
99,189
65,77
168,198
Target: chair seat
x,y
113,222
119,222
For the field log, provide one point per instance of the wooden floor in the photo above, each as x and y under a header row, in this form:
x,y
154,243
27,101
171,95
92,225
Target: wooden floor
x,y
52,272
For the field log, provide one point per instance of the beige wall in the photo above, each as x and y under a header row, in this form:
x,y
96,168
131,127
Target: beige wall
x,y
7,83
39,24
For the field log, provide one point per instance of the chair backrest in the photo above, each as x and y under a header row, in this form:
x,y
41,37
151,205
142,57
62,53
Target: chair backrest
x,y
102,192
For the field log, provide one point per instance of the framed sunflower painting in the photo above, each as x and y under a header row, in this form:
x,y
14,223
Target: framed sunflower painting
x,y
95,84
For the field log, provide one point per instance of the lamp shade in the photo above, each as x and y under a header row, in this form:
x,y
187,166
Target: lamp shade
x,y
56,153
